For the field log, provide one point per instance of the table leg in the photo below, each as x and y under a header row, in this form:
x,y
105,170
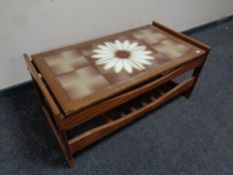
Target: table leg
x,y
196,74
68,154
61,138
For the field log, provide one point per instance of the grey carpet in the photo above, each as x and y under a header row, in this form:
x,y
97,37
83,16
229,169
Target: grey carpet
x,y
184,137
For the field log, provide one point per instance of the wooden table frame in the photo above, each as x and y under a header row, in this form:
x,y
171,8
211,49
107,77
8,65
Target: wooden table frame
x,y
62,125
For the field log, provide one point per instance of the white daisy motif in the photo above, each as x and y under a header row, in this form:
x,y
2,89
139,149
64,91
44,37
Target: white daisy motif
x,y
124,55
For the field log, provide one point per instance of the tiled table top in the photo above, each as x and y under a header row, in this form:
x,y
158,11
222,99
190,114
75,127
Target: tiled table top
x,y
86,73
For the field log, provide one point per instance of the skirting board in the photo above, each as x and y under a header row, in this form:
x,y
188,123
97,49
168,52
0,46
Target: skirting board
x,y
25,86
16,89
208,25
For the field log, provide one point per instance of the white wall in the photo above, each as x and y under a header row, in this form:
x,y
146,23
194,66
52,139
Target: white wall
x,y
37,25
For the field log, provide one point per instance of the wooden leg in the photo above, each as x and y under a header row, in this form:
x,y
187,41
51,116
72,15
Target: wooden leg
x,y
196,74
61,138
68,154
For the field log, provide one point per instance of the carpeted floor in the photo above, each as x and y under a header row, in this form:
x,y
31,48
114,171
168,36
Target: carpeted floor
x,y
184,137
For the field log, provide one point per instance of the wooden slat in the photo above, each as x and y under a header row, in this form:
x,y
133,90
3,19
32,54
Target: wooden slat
x,y
122,114
132,108
160,91
87,138
143,103
77,119
152,98
108,119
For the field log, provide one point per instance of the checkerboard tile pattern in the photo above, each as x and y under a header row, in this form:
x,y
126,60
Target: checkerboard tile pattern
x,y
80,76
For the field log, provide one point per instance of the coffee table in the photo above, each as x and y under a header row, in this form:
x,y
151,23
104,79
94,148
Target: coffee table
x,y
91,89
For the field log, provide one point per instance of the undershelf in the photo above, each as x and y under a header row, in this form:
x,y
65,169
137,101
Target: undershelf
x,y
123,110
108,122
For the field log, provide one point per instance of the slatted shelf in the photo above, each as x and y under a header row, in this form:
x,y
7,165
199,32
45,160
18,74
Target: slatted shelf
x,y
129,108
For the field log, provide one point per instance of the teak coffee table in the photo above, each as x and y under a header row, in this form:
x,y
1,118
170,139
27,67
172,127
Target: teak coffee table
x,y
90,90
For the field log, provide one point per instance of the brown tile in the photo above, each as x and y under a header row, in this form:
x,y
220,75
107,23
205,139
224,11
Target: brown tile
x,y
66,61
159,60
149,36
171,49
82,82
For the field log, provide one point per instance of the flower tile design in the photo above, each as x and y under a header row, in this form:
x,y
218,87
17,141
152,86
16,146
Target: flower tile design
x,y
122,56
